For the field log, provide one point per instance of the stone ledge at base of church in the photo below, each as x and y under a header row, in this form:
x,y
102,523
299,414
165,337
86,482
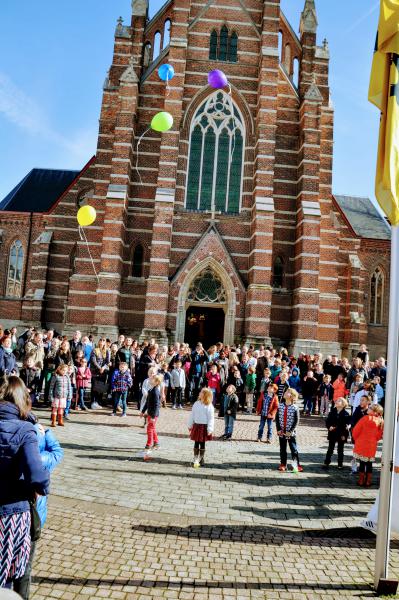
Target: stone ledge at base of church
x,y
160,336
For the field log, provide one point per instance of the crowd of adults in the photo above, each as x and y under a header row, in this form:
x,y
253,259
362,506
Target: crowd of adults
x,y
38,368
41,353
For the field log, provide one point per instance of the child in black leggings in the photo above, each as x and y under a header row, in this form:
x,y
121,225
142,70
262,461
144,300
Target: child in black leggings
x,y
201,424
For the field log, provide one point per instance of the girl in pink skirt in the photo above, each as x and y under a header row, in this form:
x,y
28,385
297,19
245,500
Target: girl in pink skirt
x,y
201,424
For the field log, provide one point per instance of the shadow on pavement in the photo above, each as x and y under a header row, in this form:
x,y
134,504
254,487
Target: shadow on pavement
x,y
200,583
263,534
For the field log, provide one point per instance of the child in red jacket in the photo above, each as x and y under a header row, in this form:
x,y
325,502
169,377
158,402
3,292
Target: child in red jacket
x,y
267,409
366,435
213,378
83,379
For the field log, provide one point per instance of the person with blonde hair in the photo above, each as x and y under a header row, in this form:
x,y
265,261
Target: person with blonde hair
x,y
366,435
201,424
287,421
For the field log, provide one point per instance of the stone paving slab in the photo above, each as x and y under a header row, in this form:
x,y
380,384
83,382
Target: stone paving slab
x,y
123,528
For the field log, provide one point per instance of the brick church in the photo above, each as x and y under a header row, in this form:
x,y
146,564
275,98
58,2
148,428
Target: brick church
x,y
224,227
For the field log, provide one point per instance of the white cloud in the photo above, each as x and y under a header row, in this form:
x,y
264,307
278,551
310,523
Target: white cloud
x,y
18,108
21,110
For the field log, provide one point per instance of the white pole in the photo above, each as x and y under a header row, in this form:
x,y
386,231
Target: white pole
x,y
390,414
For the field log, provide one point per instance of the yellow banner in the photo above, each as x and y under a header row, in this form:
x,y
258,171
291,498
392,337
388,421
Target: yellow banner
x,y
384,93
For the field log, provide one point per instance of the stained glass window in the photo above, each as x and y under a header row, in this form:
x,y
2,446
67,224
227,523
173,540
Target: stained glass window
x,y
376,297
223,47
207,287
216,156
15,268
224,41
213,46
233,47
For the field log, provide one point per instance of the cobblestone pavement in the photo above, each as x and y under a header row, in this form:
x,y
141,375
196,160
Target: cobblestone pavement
x,y
123,528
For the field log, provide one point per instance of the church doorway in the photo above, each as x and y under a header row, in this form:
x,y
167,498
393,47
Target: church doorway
x,y
204,324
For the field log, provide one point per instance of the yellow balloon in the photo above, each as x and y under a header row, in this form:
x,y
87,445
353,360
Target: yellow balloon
x,y
86,215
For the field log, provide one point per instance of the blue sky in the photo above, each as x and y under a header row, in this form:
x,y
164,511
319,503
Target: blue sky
x,y
55,55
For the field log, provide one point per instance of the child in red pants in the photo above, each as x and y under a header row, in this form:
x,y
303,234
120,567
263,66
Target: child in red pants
x,y
152,407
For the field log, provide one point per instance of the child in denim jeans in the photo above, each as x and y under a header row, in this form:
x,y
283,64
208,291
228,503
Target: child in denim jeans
x,y
121,383
230,411
267,409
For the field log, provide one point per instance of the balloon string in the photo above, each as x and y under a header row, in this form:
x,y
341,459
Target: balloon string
x,y
84,239
137,153
167,91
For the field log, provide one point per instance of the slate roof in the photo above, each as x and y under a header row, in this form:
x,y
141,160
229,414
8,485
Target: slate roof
x,y
38,190
364,217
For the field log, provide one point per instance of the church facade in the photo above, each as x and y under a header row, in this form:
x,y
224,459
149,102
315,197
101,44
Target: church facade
x,y
223,228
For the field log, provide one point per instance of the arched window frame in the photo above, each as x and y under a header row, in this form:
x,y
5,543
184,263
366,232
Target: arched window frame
x,y
239,124
16,257
377,291
147,54
233,47
287,59
166,33
82,198
295,72
157,46
278,277
213,45
137,266
224,44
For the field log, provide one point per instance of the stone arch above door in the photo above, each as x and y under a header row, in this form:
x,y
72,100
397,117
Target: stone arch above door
x,y
226,297
210,251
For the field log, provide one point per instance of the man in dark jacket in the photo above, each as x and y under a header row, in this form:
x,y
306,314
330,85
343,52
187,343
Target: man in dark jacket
x,y
199,361
76,344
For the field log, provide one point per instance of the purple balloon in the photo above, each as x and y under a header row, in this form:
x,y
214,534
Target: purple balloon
x,y
217,79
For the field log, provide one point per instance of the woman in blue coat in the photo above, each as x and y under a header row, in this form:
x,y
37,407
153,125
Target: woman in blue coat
x,y
51,454
22,478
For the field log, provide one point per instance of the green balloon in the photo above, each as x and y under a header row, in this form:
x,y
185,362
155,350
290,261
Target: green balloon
x,y
162,121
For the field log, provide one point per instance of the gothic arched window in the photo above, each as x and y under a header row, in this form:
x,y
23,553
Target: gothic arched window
x,y
233,47
295,72
377,296
224,42
216,156
157,45
213,46
278,272
15,268
138,261
166,33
